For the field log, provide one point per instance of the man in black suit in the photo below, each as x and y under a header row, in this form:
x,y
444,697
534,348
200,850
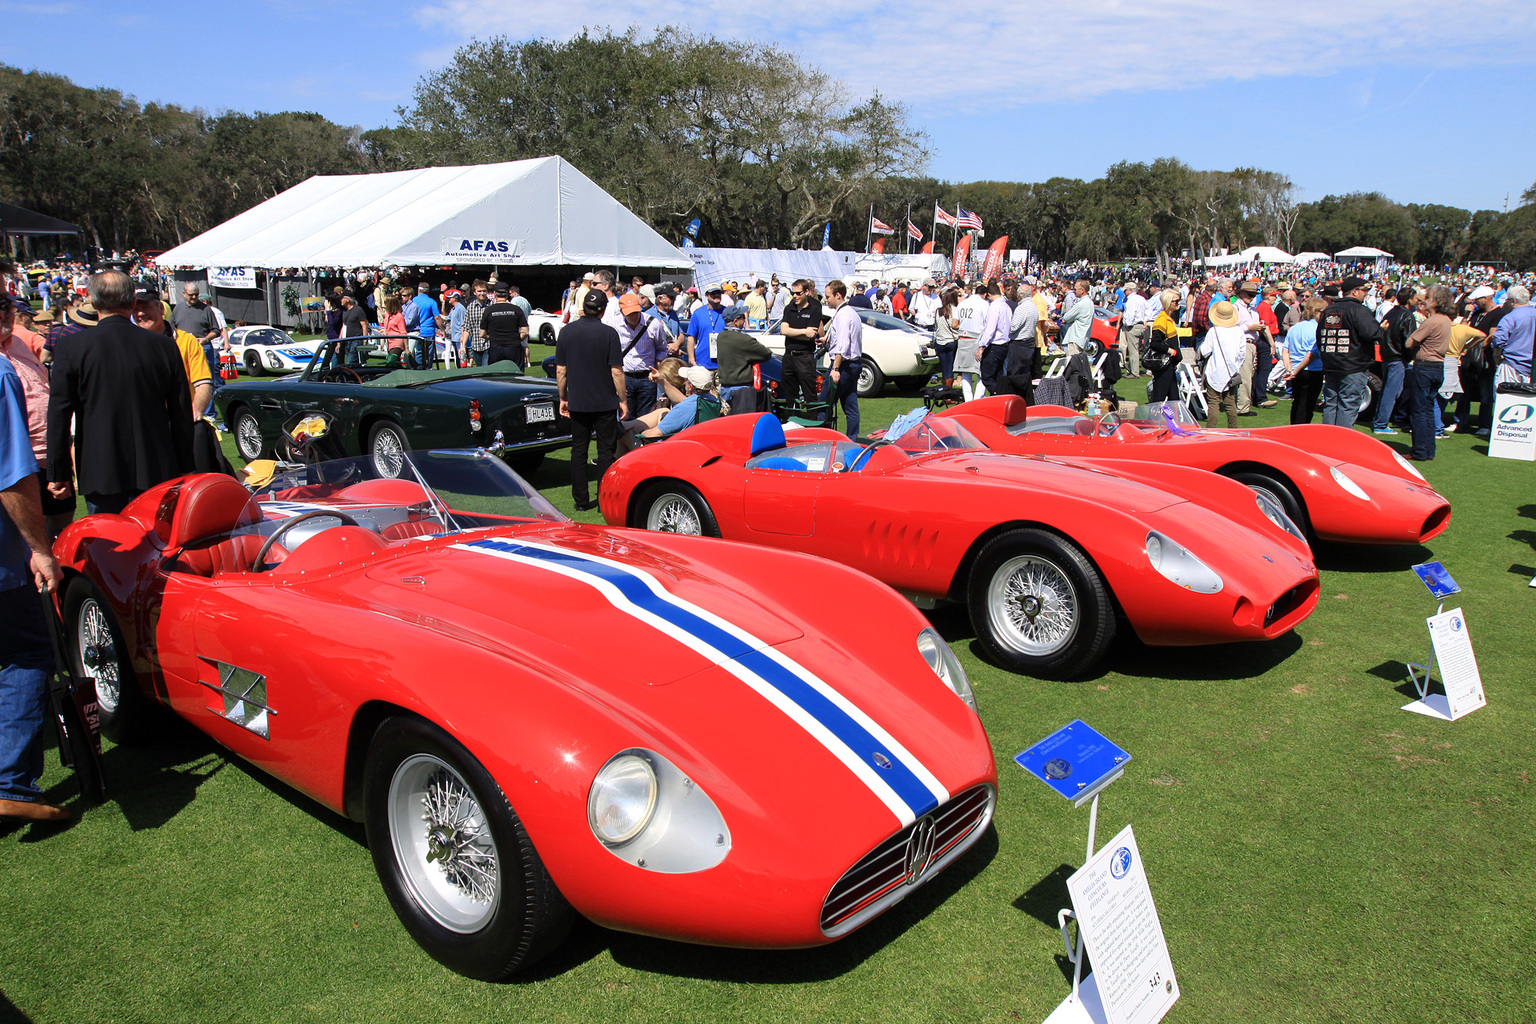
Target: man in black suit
x,y
125,391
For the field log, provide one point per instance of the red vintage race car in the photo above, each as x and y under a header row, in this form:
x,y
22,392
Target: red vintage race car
x,y
534,717
1045,554
1338,484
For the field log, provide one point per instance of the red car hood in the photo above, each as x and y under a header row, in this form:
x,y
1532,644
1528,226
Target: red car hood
x,y
506,587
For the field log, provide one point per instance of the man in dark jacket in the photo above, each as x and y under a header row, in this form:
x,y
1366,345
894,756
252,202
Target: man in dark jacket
x,y
126,392
589,371
1398,323
1347,336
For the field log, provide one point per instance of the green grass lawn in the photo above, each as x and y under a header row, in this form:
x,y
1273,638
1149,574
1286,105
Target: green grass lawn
x,y
1316,854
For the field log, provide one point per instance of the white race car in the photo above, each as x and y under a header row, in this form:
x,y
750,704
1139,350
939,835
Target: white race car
x,y
544,327
894,350
261,349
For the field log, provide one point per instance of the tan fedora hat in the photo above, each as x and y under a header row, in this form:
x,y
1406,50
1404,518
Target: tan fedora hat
x,y
1223,314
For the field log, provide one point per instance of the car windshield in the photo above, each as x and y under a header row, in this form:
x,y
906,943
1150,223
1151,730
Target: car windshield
x,y
449,490
935,434
266,336
886,322
1174,416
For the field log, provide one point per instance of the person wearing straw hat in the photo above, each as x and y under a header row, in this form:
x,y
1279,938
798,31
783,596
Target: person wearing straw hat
x,y
1223,350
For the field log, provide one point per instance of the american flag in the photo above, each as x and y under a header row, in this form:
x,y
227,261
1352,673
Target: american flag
x,y
942,216
880,227
914,231
966,220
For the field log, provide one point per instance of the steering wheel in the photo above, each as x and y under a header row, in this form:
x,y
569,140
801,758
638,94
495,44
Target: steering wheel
x,y
864,456
336,370
288,524
1108,424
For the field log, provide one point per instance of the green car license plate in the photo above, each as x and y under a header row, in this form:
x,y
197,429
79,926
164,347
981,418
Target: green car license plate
x,y
541,413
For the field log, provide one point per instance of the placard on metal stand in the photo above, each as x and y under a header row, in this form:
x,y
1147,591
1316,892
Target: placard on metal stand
x,y
1463,686
1078,763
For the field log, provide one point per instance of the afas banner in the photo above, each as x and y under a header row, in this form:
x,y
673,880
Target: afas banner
x,y
878,247
993,267
928,248
962,254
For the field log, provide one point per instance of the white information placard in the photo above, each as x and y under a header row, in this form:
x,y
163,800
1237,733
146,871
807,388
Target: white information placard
x,y
1514,428
1458,669
1113,903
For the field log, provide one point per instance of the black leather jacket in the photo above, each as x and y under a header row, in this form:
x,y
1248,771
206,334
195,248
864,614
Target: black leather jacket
x,y
1347,336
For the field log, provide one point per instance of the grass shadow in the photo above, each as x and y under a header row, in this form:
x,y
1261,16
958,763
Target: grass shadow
x,y
1526,511
340,823
1523,537
9,1014
1525,571
151,783
794,966
1397,672
1042,900
1210,663
1370,558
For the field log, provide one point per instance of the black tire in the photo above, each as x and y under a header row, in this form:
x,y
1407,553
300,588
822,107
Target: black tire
x,y
472,891
670,506
96,645
546,334
1370,398
387,444
247,433
1277,490
871,380
524,463
1050,573
253,362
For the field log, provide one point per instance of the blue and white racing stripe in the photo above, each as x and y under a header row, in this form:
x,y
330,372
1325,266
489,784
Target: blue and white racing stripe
x,y
890,771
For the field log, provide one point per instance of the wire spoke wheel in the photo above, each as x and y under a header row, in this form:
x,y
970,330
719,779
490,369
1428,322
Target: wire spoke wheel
x,y
1033,606
673,513
98,654
388,451
443,844
248,437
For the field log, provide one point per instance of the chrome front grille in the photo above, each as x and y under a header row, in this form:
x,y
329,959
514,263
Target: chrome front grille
x,y
891,870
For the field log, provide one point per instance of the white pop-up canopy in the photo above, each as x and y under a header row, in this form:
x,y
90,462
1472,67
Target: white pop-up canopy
x,y
1312,257
540,212
713,265
1363,252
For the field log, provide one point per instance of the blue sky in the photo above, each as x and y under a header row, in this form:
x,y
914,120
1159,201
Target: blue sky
x,y
1333,97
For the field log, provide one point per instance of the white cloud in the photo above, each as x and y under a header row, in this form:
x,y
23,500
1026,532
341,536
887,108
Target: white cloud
x,y
932,54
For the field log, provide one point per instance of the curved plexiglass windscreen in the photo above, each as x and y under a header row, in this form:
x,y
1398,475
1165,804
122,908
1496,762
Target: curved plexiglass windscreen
x,y
1163,416
459,489
935,434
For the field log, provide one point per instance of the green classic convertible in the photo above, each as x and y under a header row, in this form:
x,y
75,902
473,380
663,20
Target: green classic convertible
x,y
382,412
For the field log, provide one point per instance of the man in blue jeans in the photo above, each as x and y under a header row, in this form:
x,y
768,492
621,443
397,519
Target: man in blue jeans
x,y
426,348
27,565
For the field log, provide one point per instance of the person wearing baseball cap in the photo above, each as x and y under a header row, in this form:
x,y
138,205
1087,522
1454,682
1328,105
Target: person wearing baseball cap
x,y
644,341
704,327
1347,336
590,379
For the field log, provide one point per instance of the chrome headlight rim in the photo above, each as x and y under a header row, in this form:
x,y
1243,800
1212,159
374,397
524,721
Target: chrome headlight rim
x,y
1273,511
1347,482
1179,566
1410,467
940,658
625,766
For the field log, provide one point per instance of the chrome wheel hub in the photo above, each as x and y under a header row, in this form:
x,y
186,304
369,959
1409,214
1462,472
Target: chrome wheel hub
x,y
443,844
1032,606
98,654
248,437
388,455
674,514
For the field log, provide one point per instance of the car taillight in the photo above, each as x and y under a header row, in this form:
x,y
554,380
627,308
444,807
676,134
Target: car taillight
x,y
474,415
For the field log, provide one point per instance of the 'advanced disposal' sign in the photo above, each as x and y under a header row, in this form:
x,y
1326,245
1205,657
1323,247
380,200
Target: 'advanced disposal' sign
x,y
1514,428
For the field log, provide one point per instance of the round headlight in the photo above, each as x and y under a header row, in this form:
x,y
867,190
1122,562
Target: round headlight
x,y
1410,467
1154,550
274,360
1275,514
945,665
622,799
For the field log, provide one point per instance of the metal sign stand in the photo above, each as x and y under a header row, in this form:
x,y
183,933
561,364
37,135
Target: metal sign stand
x,y
1421,682
1078,763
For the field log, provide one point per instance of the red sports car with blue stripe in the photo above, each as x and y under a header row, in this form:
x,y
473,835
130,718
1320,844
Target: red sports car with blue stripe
x,y
537,719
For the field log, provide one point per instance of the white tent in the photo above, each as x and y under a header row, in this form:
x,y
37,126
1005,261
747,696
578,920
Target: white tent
x,y
1361,252
714,265
913,268
1265,254
1312,257
540,212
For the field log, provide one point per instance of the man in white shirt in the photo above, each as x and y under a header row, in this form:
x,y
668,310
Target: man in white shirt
x,y
992,345
1133,328
924,306
845,348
